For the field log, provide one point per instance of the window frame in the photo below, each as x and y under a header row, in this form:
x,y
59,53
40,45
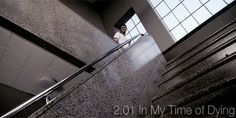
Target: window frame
x,y
180,23
130,29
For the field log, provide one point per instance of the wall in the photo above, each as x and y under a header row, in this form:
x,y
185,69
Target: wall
x,y
111,11
72,26
23,64
128,80
8,100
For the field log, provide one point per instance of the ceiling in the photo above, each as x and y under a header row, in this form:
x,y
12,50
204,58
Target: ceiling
x,y
95,1
91,1
22,64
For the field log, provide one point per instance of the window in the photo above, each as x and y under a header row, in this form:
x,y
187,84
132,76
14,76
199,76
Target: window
x,y
182,16
134,27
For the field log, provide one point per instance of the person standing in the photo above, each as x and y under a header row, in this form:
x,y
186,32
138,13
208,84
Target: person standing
x,y
119,36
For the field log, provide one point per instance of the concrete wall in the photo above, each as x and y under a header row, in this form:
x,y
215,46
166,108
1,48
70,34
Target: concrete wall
x,y
71,25
111,11
126,81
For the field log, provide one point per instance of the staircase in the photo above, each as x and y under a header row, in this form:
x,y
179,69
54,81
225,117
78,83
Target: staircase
x,y
205,74
202,76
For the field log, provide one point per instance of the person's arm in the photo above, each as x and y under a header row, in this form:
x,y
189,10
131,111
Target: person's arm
x,y
116,37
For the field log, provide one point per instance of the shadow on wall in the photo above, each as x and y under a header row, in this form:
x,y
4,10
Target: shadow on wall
x,y
87,11
8,101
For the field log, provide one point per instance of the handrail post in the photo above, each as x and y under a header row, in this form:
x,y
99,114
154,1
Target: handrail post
x,y
48,98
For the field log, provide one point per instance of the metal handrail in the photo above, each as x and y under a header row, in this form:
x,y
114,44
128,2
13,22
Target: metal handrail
x,y
64,81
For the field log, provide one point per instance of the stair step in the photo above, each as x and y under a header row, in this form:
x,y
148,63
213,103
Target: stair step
x,y
197,75
217,89
199,60
197,51
196,46
227,70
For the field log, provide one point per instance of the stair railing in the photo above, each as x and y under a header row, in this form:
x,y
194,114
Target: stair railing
x,y
48,91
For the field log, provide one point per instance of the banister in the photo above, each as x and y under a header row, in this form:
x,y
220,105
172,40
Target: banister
x,y
64,81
